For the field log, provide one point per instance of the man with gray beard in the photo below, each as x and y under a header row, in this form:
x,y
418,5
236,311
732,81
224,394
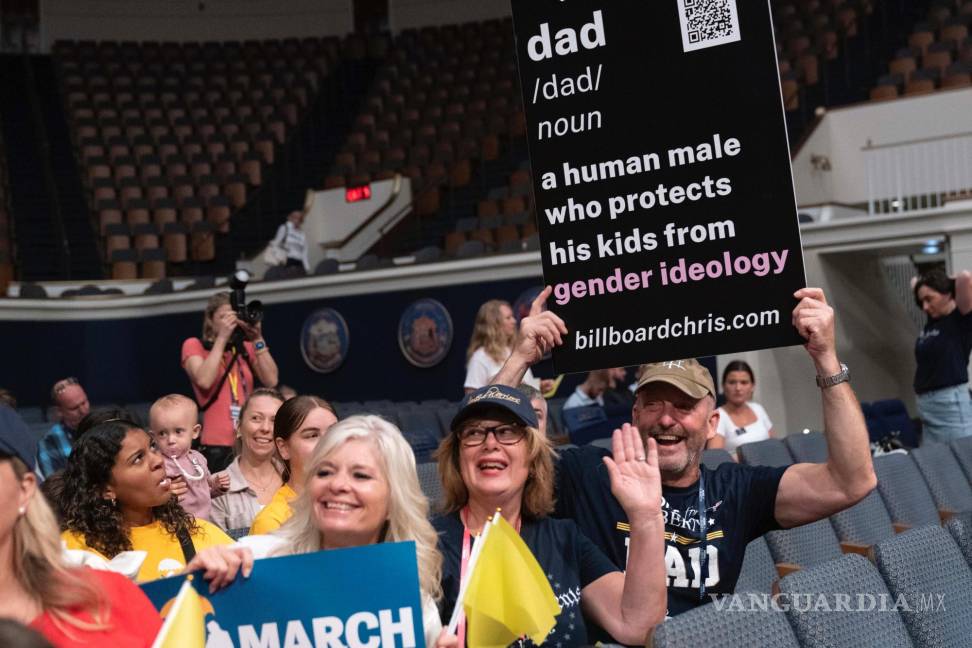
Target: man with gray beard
x,y
710,515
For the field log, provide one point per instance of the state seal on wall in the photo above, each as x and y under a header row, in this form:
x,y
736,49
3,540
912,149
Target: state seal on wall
x,y
324,340
425,333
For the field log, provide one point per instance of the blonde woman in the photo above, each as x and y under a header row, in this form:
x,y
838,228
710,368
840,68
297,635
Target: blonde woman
x,y
68,606
496,458
361,488
491,344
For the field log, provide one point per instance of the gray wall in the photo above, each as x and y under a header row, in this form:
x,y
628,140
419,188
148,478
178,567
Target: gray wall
x,y
182,20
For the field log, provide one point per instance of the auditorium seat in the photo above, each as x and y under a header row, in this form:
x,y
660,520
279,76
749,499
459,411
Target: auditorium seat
x,y
904,491
713,458
810,447
946,480
960,526
824,624
806,545
923,564
865,523
428,474
420,423
711,627
771,452
962,449
124,264
758,571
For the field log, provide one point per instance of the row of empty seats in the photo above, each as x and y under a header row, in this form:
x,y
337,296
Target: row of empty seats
x,y
169,136
938,55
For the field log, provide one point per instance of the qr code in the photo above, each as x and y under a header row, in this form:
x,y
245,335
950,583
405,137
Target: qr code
x,y
707,23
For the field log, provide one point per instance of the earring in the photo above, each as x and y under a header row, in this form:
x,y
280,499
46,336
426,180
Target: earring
x,y
22,510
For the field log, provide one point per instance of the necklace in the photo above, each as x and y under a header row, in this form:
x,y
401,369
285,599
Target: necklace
x,y
197,469
256,485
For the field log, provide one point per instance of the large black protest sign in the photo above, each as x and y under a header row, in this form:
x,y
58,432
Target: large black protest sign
x,y
662,176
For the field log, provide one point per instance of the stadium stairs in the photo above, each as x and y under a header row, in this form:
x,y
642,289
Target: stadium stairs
x,y
303,160
52,240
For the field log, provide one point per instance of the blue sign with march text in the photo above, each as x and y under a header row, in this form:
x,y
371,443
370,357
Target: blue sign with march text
x,y
362,596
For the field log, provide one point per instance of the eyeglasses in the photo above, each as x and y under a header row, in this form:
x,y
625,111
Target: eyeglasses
x,y
505,434
61,385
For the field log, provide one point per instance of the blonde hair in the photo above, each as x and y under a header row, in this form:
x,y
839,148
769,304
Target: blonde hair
x,y
408,508
538,494
488,332
172,401
217,300
39,567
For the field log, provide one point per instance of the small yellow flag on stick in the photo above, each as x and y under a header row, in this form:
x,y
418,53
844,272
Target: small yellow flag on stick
x,y
185,625
507,596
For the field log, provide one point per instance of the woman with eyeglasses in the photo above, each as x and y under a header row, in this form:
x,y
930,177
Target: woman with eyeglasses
x,y
741,420
495,458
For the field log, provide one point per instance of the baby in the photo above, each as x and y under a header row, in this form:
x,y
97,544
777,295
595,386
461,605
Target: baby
x,y
174,422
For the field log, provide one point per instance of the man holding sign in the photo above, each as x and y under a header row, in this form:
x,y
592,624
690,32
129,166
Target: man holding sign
x,y
710,515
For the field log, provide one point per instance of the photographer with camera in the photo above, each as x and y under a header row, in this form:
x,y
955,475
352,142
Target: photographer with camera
x,y
221,367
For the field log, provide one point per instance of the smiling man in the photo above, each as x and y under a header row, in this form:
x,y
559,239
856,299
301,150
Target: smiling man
x,y
710,515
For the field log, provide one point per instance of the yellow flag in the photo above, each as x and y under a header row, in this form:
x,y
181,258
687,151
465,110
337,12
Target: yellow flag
x,y
185,625
508,595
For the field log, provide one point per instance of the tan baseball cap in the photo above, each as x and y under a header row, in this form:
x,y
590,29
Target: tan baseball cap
x,y
688,375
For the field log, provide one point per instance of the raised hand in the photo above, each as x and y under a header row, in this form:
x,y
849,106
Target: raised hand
x,y
814,319
635,478
539,332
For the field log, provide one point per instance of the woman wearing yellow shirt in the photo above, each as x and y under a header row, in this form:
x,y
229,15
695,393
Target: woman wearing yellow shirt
x,y
300,422
116,498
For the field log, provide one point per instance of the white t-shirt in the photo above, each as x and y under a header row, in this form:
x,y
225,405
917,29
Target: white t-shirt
x,y
482,369
758,430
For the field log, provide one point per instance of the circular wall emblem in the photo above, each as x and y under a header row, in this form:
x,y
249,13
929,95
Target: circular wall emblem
x,y
425,333
324,340
521,307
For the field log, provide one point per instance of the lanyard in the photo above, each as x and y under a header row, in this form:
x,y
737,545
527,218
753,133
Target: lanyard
x,y
237,381
704,531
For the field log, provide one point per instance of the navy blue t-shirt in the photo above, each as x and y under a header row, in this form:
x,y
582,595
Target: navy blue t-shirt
x,y
942,352
741,504
567,557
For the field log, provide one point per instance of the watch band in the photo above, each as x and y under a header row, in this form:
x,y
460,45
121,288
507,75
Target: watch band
x,y
829,381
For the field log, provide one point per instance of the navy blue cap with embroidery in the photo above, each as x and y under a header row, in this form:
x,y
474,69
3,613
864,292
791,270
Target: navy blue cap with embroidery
x,y
496,396
16,439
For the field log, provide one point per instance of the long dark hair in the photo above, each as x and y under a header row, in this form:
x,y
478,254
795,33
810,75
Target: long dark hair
x,y
291,416
937,280
83,506
738,365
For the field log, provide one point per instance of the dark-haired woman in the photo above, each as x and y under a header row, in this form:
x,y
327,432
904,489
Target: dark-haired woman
x,y
942,353
300,422
116,498
741,420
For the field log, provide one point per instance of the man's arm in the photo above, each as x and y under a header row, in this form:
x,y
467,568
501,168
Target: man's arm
x,y
809,492
539,332
963,292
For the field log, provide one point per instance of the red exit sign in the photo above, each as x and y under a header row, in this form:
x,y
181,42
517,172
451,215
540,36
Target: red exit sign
x,y
354,194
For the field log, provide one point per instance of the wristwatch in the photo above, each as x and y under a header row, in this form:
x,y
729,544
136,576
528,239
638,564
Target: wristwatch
x,y
259,345
823,382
